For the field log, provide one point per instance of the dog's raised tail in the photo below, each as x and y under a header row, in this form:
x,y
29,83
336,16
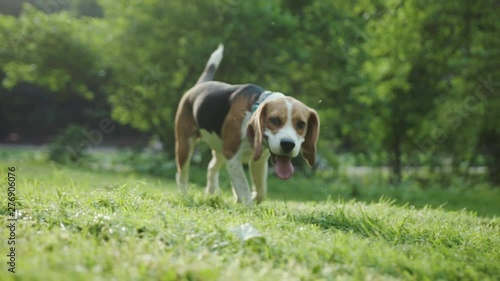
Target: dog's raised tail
x,y
212,65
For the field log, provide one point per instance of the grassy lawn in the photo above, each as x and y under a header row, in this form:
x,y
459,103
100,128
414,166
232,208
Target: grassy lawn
x,y
88,225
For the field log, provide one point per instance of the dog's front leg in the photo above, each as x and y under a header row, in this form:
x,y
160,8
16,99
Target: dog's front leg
x,y
239,181
258,171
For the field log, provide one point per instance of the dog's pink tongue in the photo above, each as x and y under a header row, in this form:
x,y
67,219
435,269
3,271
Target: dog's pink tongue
x,y
283,167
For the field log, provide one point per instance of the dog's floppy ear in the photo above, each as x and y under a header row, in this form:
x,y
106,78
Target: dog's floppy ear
x,y
309,144
255,130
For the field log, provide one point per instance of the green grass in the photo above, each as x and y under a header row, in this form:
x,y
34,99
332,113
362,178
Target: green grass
x,y
88,225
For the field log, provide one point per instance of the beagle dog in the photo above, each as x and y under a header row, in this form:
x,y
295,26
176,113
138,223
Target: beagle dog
x,y
242,124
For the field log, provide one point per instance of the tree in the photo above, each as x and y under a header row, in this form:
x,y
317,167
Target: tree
x,y
167,43
32,50
415,80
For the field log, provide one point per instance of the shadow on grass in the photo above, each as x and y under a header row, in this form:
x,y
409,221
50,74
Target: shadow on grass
x,y
482,200
366,225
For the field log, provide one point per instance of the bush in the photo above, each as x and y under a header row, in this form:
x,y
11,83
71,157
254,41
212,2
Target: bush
x,y
156,164
67,148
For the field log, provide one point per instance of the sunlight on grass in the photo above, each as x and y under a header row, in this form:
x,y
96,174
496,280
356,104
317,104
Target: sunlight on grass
x,y
98,226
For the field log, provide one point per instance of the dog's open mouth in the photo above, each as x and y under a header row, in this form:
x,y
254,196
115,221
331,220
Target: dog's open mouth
x,y
282,166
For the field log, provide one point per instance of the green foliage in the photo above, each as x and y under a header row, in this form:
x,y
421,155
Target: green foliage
x,y
68,148
144,162
51,50
409,83
166,53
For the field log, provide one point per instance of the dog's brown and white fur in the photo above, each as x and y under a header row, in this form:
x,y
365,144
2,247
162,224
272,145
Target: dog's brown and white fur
x,y
221,114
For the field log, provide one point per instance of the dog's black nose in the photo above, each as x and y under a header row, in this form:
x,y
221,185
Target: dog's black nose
x,y
287,145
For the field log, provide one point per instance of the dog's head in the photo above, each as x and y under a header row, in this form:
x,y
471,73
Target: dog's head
x,y
288,127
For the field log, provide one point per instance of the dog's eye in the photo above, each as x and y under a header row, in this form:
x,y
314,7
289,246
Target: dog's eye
x,y
275,121
300,125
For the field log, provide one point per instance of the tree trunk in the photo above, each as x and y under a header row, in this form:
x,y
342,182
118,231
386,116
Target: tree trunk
x,y
398,127
493,159
494,171
396,163
490,143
